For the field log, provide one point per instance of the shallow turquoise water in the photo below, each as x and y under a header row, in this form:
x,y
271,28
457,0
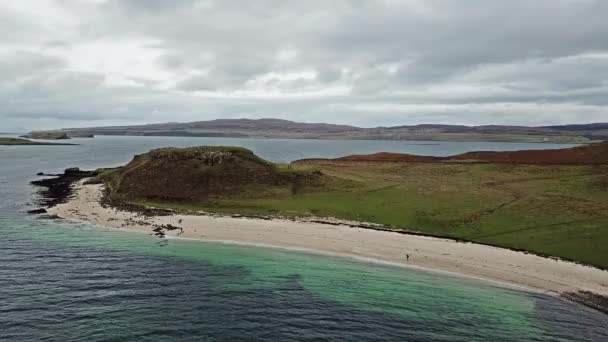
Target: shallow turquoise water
x,y
71,282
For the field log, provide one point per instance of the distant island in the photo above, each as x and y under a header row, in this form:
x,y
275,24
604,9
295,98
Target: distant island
x,y
57,135
394,207
283,129
20,141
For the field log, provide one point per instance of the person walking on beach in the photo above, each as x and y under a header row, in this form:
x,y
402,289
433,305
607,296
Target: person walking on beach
x,y
407,257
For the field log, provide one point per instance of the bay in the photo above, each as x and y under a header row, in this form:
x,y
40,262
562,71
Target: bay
x,y
62,281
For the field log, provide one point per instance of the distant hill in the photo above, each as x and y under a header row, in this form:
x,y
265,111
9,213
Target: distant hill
x,y
277,128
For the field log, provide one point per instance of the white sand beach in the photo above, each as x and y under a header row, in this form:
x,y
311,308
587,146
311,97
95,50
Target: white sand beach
x,y
467,259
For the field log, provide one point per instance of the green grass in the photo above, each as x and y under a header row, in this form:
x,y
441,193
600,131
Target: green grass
x,y
555,210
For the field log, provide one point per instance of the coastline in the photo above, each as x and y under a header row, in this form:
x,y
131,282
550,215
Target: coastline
x,y
504,267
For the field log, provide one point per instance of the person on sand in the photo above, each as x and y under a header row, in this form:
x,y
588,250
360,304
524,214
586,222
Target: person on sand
x,y
407,257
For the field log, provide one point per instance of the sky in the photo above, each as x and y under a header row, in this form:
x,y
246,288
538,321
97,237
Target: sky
x,y
79,63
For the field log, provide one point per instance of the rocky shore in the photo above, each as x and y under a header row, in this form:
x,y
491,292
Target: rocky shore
x,y
58,188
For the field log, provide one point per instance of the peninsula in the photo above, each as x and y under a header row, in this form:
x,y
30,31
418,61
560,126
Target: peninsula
x,y
57,135
547,215
20,141
285,129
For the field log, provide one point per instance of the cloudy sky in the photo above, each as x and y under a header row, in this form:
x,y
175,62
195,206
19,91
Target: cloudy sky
x,y
70,63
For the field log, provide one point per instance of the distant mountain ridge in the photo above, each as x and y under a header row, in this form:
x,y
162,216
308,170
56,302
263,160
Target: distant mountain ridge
x,y
279,128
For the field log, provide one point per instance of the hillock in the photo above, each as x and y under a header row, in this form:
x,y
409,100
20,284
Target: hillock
x,y
201,174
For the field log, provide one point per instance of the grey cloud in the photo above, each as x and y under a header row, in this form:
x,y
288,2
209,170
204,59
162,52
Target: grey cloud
x,y
19,64
218,72
474,61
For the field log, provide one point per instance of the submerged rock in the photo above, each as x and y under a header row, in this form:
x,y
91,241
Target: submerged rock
x,y
590,299
37,211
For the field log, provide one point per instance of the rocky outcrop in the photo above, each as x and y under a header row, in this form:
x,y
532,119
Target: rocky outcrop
x,y
58,189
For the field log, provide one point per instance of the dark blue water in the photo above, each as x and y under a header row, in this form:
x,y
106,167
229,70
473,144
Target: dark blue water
x,y
61,281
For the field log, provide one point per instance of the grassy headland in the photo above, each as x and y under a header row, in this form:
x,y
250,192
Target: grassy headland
x,y
556,208
20,141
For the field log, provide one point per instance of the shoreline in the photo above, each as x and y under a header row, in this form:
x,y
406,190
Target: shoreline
x,y
503,267
372,261
320,252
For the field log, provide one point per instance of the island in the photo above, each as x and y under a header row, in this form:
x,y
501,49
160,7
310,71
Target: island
x,y
21,141
533,219
47,135
57,135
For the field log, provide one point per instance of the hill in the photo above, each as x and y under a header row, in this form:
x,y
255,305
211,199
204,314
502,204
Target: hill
x,y
201,174
276,128
262,128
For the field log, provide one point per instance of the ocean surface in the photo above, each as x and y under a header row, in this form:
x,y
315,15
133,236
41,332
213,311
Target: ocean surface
x,y
62,281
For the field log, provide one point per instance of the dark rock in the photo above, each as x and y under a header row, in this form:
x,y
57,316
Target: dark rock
x,y
159,230
37,211
40,174
77,172
49,217
590,299
71,171
58,189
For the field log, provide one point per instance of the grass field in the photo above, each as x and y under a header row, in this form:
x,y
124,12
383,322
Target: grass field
x,y
555,210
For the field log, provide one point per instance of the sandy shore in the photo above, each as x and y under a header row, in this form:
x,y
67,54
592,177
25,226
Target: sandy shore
x,y
468,259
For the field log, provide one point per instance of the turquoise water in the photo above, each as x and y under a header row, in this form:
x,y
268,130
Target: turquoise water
x,y
62,281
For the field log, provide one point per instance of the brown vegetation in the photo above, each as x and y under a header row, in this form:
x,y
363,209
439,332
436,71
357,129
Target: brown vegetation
x,y
594,154
199,173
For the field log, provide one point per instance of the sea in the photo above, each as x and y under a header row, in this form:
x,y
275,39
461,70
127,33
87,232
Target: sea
x,y
64,281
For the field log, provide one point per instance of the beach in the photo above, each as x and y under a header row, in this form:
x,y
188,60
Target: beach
x,y
502,266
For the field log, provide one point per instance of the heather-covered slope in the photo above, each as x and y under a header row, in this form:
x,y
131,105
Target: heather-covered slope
x,y
587,154
199,173
594,154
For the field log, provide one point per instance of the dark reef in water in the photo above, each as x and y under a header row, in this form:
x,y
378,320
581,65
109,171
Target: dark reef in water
x,y
590,299
159,230
37,211
58,189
